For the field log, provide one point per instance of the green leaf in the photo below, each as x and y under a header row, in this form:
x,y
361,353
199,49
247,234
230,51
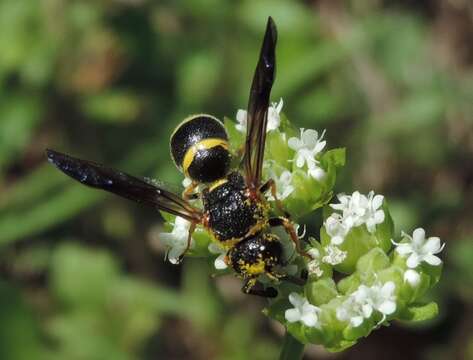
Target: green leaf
x,y
334,157
420,312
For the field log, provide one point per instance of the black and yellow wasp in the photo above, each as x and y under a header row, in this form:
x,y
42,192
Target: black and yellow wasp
x,y
234,210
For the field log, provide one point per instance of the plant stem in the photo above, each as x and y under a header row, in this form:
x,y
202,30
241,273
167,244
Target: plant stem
x,y
292,349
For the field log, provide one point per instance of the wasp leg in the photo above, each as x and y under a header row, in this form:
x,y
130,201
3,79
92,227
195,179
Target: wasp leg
x,y
188,193
189,238
301,281
289,227
253,287
271,184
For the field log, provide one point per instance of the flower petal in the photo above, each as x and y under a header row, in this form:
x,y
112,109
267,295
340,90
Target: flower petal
x,y
432,245
220,263
309,138
388,289
296,300
367,310
404,249
432,260
377,201
292,315
413,261
418,236
356,321
379,216
309,319
387,307
412,277
294,143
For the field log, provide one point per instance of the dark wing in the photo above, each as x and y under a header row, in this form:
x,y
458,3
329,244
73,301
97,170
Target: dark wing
x,y
117,182
258,107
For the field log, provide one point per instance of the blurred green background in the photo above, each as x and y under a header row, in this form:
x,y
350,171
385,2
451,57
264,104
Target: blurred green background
x,y
108,80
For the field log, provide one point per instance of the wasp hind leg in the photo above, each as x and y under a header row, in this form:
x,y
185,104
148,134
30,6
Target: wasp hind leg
x,y
289,227
253,287
271,185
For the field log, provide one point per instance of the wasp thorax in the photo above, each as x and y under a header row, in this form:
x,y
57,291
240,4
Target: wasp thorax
x,y
199,147
256,255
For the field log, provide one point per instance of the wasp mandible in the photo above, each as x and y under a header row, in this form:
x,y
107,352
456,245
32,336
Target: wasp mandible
x,y
235,210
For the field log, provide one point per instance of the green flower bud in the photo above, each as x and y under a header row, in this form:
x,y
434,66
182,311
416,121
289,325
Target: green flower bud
x,y
321,291
372,262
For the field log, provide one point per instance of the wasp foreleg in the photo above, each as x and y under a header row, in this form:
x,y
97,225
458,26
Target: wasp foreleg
x,y
289,227
189,194
253,287
271,185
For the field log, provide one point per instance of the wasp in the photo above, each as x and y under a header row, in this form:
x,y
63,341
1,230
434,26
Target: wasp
x,y
234,210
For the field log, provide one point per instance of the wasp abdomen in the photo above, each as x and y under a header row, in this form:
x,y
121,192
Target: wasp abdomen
x,y
199,147
231,214
256,255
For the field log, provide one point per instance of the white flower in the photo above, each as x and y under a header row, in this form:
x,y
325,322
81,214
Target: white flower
x,y
356,209
219,262
313,266
365,300
374,215
383,298
420,249
274,119
176,241
303,311
353,311
314,253
241,118
307,148
333,255
352,208
412,277
284,186
336,228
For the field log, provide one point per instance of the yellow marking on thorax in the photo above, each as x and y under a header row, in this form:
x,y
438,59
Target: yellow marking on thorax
x,y
217,183
201,145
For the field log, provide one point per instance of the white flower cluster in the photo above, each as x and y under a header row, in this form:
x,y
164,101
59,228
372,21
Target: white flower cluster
x,y
274,118
303,311
354,210
334,255
176,240
307,147
419,249
284,186
313,266
361,304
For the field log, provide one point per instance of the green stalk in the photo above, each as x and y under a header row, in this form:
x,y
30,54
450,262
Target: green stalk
x,y
291,348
